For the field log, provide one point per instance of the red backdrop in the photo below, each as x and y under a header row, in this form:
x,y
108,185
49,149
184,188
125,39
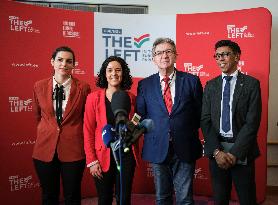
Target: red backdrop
x,y
196,36
28,36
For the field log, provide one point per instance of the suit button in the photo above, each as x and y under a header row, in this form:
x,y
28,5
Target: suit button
x,y
58,129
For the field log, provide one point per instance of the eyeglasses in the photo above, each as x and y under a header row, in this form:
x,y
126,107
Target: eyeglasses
x,y
217,56
168,52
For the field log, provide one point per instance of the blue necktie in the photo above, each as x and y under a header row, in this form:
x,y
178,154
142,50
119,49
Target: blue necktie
x,y
226,125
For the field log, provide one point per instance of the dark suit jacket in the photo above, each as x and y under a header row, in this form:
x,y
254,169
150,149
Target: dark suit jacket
x,y
246,115
68,138
182,124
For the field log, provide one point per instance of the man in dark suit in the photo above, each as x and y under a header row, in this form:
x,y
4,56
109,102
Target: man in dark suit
x,y
172,99
230,120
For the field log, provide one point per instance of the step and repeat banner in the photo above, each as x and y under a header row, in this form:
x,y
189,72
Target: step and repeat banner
x,y
29,34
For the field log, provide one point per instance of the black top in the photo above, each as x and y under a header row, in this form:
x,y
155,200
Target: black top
x,y
109,114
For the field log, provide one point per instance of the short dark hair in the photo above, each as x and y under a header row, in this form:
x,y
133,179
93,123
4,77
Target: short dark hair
x,y
164,40
126,83
63,48
232,45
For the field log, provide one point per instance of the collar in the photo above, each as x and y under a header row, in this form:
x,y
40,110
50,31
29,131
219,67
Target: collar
x,y
234,74
172,76
65,84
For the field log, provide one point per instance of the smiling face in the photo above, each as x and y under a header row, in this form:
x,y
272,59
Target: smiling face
x,y
114,74
226,59
63,63
164,58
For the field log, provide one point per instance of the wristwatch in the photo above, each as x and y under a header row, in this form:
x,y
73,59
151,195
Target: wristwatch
x,y
216,152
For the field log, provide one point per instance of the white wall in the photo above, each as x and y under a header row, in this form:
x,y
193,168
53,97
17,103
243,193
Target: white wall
x,y
205,6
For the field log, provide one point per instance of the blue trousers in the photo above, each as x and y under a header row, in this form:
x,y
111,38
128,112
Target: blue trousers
x,y
173,174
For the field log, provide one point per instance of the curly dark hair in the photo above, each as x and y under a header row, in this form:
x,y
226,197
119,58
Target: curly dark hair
x,y
232,45
126,83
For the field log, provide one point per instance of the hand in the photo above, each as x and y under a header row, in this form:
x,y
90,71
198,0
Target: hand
x,y
96,170
232,158
223,160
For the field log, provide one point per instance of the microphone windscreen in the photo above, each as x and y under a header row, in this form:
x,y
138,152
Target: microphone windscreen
x,y
107,135
120,103
148,124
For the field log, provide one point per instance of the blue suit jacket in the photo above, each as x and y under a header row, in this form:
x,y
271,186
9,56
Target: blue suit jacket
x,y
182,124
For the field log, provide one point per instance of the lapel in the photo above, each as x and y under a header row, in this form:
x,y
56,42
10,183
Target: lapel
x,y
178,90
49,100
101,109
237,91
217,99
48,92
75,92
157,92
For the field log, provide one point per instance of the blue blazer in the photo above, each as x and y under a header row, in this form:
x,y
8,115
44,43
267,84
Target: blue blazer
x,y
182,124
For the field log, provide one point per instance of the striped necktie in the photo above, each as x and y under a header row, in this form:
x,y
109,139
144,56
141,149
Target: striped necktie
x,y
167,94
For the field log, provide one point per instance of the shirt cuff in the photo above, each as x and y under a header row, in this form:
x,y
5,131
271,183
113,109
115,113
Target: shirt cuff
x,y
92,163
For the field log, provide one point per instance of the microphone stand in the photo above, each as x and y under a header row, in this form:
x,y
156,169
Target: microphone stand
x,y
122,130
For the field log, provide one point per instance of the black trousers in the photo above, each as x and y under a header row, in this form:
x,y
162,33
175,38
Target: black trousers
x,y
243,177
49,174
105,186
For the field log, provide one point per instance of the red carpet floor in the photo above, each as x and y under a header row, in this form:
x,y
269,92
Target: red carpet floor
x,y
140,199
145,199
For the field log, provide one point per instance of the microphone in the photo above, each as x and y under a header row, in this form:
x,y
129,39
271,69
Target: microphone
x,y
135,119
146,126
108,137
130,130
131,125
120,105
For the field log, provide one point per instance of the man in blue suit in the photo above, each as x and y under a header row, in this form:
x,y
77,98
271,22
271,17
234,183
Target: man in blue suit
x,y
173,100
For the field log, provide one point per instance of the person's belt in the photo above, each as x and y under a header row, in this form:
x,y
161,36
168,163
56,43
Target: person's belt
x,y
226,138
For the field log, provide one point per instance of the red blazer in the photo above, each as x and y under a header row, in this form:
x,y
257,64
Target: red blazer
x,y
68,138
94,120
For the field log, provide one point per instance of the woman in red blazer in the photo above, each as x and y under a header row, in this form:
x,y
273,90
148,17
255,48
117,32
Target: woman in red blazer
x,y
59,103
114,75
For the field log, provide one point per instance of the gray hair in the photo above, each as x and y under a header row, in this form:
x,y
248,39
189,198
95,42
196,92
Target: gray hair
x,y
164,40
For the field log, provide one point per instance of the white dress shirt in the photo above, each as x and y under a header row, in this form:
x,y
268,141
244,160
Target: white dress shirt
x,y
67,86
171,84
